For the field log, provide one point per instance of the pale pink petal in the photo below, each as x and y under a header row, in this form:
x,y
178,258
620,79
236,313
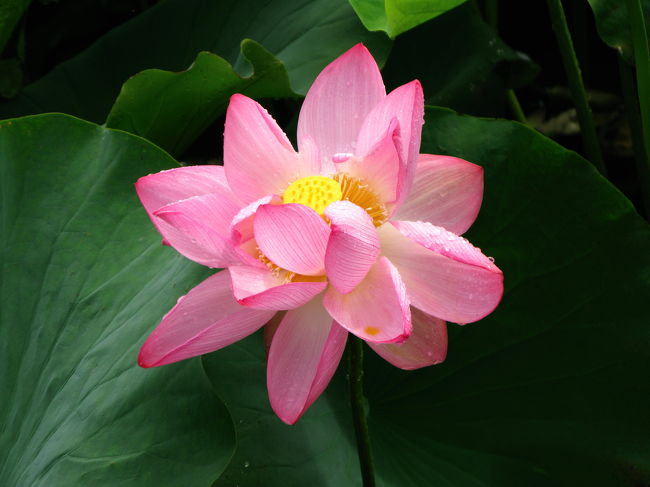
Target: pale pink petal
x,y
160,189
305,351
329,361
206,319
241,226
262,289
406,103
427,344
353,245
270,328
338,101
447,192
380,168
293,237
445,275
198,228
258,158
378,308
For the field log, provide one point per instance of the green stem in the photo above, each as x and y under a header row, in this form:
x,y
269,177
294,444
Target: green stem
x,y
515,107
633,116
358,414
492,13
642,61
578,93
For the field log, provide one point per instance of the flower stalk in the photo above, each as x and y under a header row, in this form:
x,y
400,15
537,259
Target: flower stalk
x,y
355,378
576,85
642,61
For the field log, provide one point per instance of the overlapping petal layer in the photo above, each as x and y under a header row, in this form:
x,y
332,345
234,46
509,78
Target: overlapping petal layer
x,y
328,261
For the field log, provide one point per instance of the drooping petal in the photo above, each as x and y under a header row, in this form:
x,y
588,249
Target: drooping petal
x,y
293,237
261,289
258,158
353,245
199,227
338,101
445,275
427,344
447,192
378,308
304,354
406,104
160,189
380,168
205,319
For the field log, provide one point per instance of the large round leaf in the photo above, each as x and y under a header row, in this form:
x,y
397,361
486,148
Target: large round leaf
x,y
319,449
172,109
305,36
550,390
84,280
613,23
466,67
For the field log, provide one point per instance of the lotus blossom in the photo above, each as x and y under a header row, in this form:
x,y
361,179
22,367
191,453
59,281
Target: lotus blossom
x,y
356,232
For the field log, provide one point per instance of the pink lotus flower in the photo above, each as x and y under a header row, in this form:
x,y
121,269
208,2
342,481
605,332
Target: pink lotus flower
x,y
356,232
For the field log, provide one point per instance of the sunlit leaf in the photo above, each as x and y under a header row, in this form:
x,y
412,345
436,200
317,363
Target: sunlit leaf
x,y
397,16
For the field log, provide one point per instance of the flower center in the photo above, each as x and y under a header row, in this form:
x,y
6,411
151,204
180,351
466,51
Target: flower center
x,y
317,192
356,191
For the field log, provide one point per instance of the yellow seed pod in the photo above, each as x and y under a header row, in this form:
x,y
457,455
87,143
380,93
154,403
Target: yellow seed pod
x,y
317,192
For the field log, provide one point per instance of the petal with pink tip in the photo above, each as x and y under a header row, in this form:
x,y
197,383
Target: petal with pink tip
x,y
406,103
427,344
205,319
258,158
378,308
261,289
305,351
198,227
447,192
381,167
293,237
445,275
160,189
353,245
339,100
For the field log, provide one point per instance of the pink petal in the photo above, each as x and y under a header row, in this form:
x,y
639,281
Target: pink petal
x,y
293,237
241,226
447,192
406,103
206,319
338,101
378,308
160,189
261,289
381,167
198,228
353,245
427,344
445,275
305,351
258,158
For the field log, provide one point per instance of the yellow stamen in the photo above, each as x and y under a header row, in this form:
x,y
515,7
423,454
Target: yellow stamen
x,y
317,192
357,192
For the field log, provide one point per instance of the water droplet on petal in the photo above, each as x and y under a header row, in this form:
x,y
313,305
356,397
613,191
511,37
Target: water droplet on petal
x,y
341,157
